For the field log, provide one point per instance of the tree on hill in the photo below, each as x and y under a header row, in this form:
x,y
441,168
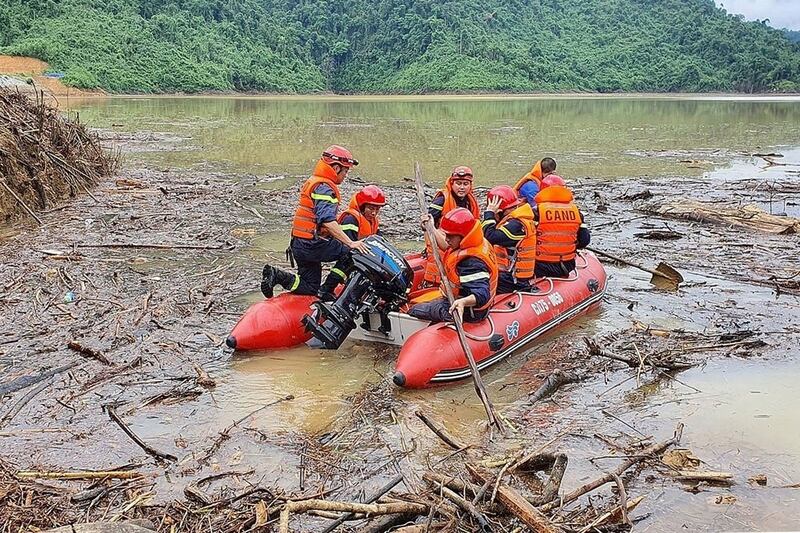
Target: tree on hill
x,y
408,46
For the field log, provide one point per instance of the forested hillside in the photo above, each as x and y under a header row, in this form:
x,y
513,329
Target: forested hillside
x,y
406,46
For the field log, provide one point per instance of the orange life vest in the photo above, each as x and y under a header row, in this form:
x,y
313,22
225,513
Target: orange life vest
x,y
522,263
473,245
431,272
304,225
534,175
365,227
558,225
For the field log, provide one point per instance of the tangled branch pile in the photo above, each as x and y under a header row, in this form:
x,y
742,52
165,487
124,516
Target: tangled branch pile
x,y
44,156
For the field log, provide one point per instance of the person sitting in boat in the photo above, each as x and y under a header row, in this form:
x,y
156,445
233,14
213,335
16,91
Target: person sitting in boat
x,y
560,229
529,185
508,225
471,267
316,235
457,192
358,222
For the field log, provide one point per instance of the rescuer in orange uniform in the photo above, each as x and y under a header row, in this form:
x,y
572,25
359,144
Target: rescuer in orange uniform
x,y
509,226
471,267
457,192
358,222
530,184
560,229
316,235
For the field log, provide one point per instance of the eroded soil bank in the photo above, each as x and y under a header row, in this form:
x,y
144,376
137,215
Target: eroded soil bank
x,y
120,305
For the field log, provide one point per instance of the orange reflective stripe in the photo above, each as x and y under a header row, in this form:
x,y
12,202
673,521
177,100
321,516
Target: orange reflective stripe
x,y
304,225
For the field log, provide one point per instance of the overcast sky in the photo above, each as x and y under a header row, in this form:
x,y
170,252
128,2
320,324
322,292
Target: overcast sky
x,y
781,13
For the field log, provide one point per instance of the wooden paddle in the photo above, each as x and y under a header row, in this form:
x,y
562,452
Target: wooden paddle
x,y
663,271
476,374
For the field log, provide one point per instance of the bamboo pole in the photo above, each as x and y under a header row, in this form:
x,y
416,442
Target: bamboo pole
x,y
476,374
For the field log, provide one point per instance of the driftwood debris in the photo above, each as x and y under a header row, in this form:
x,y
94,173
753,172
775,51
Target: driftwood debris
x,y
348,507
440,431
225,434
555,464
11,413
613,515
89,352
516,503
23,382
44,156
371,499
710,477
162,456
558,378
89,474
748,216
650,451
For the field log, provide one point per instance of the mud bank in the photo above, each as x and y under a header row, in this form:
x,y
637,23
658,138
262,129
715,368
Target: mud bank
x,y
120,303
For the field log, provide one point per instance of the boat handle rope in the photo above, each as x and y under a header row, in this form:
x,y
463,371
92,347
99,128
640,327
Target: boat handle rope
x,y
483,338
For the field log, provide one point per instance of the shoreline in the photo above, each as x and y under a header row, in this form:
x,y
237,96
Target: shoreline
x,y
434,97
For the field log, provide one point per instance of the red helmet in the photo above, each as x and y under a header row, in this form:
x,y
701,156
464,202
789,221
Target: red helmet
x,y
508,196
459,221
553,179
339,154
461,173
371,194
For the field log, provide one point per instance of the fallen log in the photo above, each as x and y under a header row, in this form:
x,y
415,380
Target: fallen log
x,y
650,451
455,484
516,504
748,216
467,507
348,507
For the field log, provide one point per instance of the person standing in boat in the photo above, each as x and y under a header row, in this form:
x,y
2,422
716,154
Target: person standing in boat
x,y
358,222
509,226
529,185
457,192
471,267
316,235
560,229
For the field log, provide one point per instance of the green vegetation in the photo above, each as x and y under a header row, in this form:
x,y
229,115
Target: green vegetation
x,y
407,46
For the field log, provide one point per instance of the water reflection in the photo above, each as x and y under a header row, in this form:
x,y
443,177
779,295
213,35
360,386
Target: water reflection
x,y
601,138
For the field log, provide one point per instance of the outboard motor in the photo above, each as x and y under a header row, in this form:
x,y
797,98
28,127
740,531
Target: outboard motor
x,y
378,282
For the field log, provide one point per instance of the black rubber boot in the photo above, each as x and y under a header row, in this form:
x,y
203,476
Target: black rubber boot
x,y
284,279
268,281
325,293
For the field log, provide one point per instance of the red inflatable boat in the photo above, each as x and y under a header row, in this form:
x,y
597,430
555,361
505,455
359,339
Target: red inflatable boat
x,y
432,353
277,322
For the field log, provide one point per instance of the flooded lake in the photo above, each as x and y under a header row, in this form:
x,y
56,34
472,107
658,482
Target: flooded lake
x,y
739,411
594,137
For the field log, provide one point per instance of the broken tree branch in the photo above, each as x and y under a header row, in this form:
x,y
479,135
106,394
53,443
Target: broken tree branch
x,y
135,438
440,432
588,487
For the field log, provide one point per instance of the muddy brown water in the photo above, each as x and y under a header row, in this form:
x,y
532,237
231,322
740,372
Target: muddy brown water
x,y
739,412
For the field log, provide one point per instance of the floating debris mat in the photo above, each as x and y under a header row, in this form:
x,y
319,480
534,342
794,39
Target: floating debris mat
x,y
45,156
